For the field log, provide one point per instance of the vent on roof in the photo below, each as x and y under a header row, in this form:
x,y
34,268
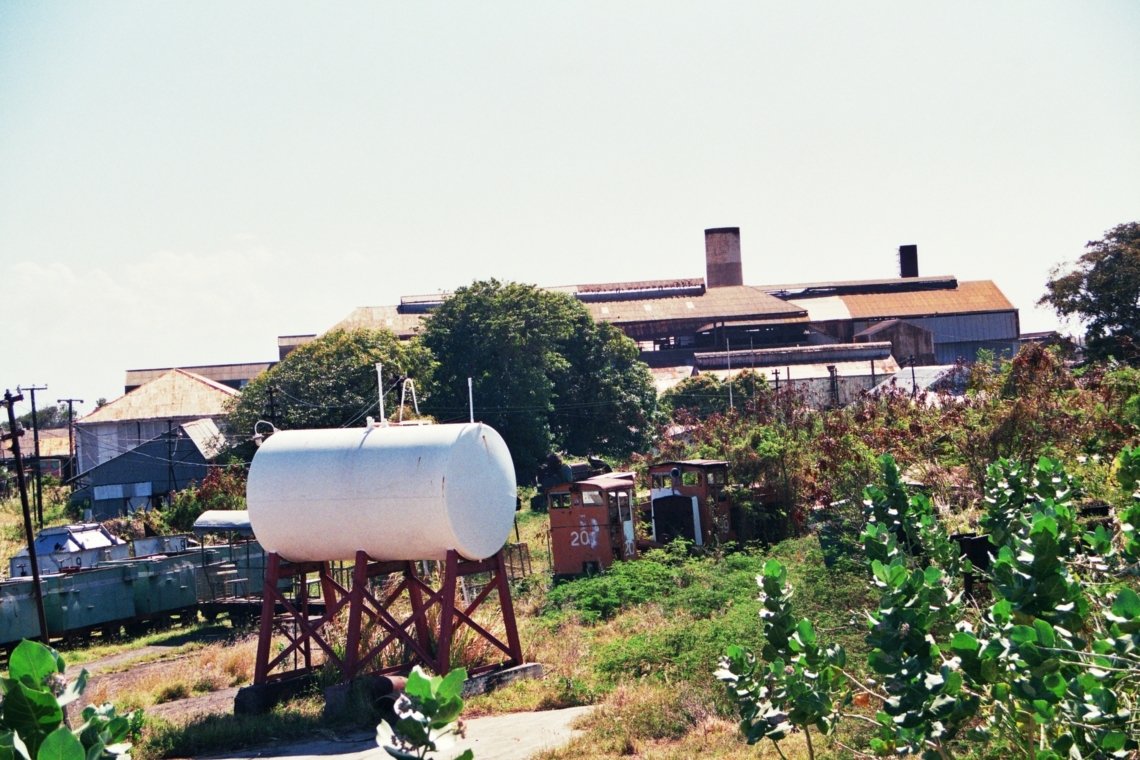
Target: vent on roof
x,y
632,291
908,261
420,304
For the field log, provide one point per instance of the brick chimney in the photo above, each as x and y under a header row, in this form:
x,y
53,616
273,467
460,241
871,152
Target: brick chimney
x,y
908,261
722,257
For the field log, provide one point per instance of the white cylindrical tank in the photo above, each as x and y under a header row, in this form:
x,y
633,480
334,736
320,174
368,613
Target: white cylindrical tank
x,y
396,493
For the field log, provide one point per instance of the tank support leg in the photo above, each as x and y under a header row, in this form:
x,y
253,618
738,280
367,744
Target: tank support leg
x,y
355,613
268,603
502,583
446,613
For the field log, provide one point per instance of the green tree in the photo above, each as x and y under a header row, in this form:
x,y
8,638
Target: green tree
x,y
705,395
331,382
47,417
1103,291
544,374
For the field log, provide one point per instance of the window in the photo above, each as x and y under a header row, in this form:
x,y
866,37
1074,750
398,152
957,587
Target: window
x,y
593,498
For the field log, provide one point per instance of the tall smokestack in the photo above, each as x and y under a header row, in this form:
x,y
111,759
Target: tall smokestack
x,y
908,261
722,257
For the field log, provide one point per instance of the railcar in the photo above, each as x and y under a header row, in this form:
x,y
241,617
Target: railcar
x,y
91,581
595,521
592,523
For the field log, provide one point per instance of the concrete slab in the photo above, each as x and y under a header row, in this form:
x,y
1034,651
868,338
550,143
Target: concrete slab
x,y
514,736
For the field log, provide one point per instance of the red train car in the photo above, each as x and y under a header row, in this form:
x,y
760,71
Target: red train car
x,y
688,501
592,523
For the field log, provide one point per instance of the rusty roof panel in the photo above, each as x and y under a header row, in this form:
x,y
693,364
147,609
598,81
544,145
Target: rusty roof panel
x,y
175,395
737,302
968,297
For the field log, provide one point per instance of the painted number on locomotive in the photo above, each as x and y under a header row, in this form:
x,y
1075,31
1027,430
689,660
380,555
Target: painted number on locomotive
x,y
585,536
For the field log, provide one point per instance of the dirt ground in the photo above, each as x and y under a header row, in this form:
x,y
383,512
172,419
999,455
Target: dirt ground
x,y
122,673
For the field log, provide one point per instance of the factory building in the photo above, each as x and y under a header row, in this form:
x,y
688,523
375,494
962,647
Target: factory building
x,y
682,325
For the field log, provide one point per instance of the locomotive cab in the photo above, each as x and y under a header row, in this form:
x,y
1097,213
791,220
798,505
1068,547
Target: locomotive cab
x,y
592,523
688,500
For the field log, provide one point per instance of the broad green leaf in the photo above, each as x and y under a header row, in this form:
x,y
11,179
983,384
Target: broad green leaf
x,y
1023,634
452,685
95,750
1113,741
61,744
32,714
1045,635
32,663
412,730
1126,607
964,642
446,712
1056,684
418,685
805,632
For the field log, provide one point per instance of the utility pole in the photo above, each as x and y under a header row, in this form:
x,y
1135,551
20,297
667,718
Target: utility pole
x,y
36,449
71,464
15,434
170,459
728,353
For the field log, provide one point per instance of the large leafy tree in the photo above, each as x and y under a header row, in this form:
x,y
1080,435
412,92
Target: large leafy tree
x,y
705,395
1103,291
331,382
544,374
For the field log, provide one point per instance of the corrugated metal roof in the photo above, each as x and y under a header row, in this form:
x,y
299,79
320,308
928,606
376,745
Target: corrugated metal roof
x,y
386,317
842,287
206,436
665,378
949,377
828,309
736,302
878,327
54,442
176,395
968,297
780,357
218,372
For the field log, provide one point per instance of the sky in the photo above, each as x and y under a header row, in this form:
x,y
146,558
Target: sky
x,y
181,183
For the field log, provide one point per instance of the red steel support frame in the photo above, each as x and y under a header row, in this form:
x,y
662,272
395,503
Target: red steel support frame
x,y
427,645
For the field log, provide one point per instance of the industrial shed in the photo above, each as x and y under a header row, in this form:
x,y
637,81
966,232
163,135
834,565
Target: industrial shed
x,y
147,474
147,412
827,375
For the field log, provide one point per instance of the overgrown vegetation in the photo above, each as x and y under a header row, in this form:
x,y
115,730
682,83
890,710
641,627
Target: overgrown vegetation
x,y
1051,669
642,641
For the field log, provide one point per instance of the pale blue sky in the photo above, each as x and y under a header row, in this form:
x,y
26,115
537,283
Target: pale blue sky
x,y
180,183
